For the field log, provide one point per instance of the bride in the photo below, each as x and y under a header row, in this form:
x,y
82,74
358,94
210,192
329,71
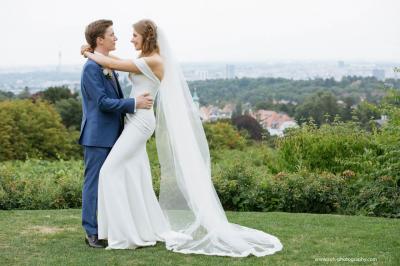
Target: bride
x,y
188,217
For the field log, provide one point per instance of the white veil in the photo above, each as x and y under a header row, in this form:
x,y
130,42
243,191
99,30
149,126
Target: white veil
x,y
187,195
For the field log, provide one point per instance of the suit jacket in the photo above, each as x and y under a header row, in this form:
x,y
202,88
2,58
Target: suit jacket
x,y
103,107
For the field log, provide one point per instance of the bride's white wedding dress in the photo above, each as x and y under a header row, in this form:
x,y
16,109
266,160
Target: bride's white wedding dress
x,y
188,216
129,214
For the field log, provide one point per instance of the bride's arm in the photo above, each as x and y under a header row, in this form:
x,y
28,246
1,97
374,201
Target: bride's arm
x,y
113,62
114,56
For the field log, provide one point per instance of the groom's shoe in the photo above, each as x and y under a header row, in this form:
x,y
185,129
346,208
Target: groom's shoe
x,y
94,242
104,242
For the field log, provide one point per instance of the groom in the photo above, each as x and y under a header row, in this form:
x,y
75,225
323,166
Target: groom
x,y
102,121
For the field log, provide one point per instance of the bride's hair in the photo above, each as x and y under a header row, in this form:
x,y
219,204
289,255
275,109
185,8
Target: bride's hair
x,y
148,30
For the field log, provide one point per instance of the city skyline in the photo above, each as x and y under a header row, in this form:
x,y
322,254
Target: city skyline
x,y
39,78
208,31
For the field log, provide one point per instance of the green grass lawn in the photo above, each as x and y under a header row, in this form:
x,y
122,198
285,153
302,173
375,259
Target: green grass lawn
x,y
55,237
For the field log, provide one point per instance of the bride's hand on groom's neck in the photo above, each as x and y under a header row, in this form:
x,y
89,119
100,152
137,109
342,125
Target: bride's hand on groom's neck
x,y
86,48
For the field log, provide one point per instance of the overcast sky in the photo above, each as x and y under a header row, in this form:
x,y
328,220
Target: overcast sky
x,y
34,32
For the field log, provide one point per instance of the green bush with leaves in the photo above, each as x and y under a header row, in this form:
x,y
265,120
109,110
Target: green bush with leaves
x,y
222,134
388,138
335,168
243,188
34,130
307,192
55,94
235,187
36,184
70,111
326,148
380,197
321,106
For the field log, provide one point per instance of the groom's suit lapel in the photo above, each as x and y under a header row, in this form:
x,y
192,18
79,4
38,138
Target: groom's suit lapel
x,y
119,90
115,85
113,80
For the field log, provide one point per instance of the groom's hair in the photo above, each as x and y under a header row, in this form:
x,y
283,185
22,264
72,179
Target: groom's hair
x,y
96,29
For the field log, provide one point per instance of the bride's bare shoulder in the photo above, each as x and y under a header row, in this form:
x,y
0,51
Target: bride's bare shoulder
x,y
154,61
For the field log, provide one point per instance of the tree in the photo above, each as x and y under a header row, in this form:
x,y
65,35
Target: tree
x,y
54,94
70,111
321,107
286,108
6,95
348,108
238,110
34,130
258,90
251,125
222,134
265,105
365,113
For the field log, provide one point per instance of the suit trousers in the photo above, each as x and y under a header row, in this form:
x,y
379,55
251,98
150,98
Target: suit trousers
x,y
94,158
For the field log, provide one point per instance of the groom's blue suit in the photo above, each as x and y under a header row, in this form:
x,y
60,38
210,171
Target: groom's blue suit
x,y
102,123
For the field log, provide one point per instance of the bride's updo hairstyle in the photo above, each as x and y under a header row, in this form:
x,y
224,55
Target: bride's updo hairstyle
x,y
148,30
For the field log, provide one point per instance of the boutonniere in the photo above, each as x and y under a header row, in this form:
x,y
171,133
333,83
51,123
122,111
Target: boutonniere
x,y
107,73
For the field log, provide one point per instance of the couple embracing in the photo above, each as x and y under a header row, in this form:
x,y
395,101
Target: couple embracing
x,y
119,207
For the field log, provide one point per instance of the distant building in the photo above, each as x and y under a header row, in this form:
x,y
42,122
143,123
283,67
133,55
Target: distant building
x,y
201,74
230,71
212,113
379,74
340,64
274,122
283,101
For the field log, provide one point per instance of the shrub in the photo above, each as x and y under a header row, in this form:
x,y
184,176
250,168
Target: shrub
x,y
380,197
36,184
235,187
326,148
241,187
55,94
70,111
34,130
222,135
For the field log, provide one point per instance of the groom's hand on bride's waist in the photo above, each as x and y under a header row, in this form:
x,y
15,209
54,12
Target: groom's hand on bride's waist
x,y
144,101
